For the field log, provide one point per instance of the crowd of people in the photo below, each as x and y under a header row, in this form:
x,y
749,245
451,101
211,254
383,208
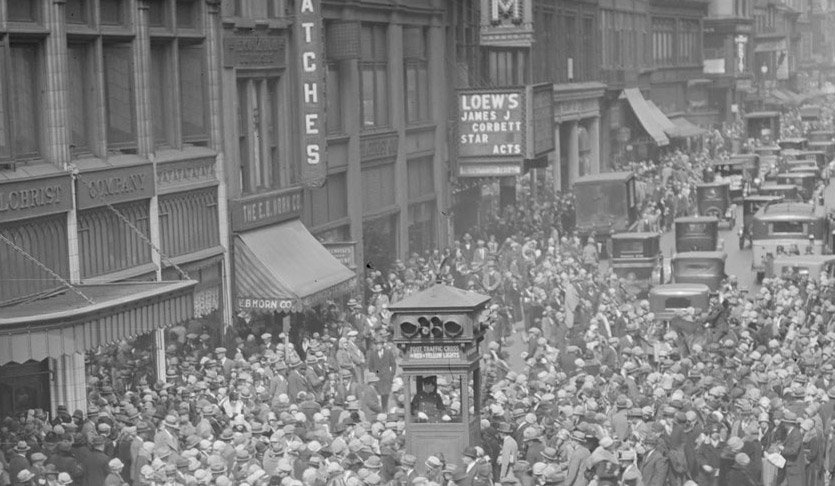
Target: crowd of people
x,y
602,394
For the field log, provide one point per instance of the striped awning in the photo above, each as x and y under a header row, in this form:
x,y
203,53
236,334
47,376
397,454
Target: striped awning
x,y
647,116
283,268
63,322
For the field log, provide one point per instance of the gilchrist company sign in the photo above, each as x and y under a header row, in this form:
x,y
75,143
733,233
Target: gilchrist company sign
x,y
311,73
498,129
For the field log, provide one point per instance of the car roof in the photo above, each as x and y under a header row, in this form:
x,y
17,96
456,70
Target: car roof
x,y
679,288
762,114
713,184
697,219
788,211
635,235
693,255
804,259
605,176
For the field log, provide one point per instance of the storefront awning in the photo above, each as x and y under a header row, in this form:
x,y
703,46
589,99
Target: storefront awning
x,y
645,114
63,322
283,267
686,128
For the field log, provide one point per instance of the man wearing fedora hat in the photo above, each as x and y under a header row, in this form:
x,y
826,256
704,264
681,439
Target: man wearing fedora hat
x,y
575,473
382,362
168,433
367,394
18,460
509,449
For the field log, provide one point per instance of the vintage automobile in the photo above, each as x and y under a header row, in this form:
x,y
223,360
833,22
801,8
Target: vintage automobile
x,y
714,199
826,136
827,148
804,181
697,233
771,149
810,113
804,266
750,206
739,171
789,192
605,204
788,228
666,301
763,125
796,143
636,256
819,156
703,267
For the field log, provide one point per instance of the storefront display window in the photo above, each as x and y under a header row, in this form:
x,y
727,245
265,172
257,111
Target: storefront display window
x,y
380,241
24,387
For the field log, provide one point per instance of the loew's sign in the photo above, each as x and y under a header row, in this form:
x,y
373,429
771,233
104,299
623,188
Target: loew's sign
x,y
498,129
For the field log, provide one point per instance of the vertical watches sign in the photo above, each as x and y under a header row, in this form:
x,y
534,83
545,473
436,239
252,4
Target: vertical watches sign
x,y
311,79
491,124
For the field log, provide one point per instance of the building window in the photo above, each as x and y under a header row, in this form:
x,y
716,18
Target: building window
x,y
162,112
192,92
112,12
107,244
178,84
507,67
119,101
77,11
415,60
22,10
82,97
689,44
158,15
374,76
422,229
329,203
259,116
334,100
663,41
187,14
20,75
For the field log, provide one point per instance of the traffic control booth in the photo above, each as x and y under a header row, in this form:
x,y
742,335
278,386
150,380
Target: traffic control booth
x,y
439,331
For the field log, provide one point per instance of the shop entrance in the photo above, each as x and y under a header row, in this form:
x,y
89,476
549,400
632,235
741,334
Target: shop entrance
x,y
24,387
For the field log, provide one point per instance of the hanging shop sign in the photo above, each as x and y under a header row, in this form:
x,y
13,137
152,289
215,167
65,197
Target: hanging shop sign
x,y
344,251
498,129
278,305
265,209
29,198
115,185
181,175
253,49
308,36
507,23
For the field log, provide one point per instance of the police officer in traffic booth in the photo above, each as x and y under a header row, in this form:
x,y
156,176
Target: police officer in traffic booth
x,y
427,404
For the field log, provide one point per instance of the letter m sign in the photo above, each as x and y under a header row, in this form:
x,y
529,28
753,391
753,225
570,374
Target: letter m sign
x,y
506,10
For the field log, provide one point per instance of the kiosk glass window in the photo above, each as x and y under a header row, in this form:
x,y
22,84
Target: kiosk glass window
x,y
436,398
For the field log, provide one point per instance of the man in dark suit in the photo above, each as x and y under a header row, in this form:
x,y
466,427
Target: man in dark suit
x,y
17,460
654,466
795,471
469,461
383,363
